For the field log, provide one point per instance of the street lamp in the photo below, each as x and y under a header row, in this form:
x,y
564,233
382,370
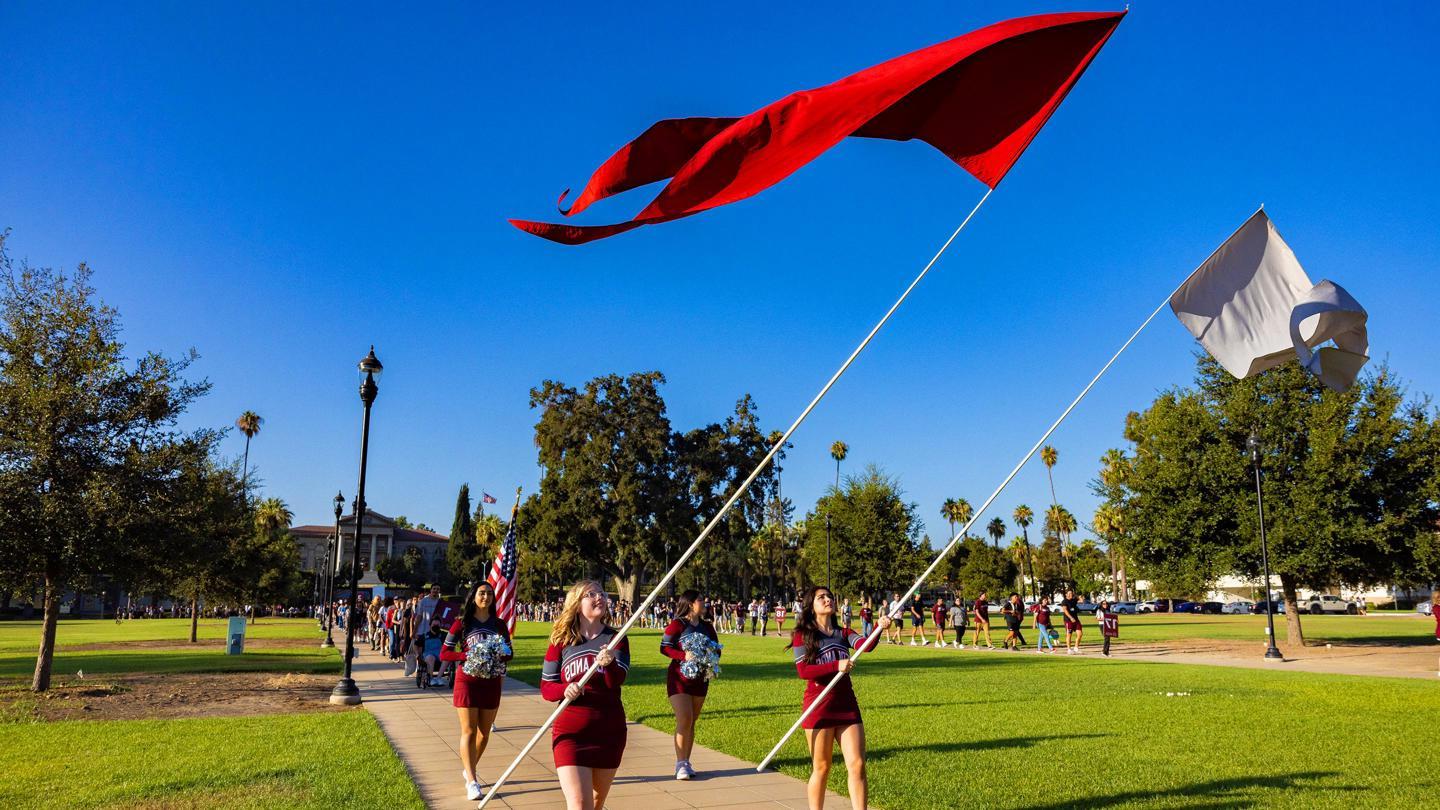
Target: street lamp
x,y
1272,652
345,692
333,556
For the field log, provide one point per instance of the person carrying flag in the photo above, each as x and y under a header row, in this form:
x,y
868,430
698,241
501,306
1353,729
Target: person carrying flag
x,y
588,738
822,653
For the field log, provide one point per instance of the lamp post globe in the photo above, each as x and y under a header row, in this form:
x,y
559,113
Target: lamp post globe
x,y
1252,443
345,691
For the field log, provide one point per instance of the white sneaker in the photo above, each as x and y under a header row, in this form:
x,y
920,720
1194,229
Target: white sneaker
x,y
962,646
913,644
474,790
682,771
925,643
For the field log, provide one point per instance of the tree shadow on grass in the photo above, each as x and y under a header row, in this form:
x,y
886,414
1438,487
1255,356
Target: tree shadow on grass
x,y
962,746
1220,793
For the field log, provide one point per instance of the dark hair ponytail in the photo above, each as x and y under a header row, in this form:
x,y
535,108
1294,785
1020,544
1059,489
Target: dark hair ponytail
x,y
683,603
808,624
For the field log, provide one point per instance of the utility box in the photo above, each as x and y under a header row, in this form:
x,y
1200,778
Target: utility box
x,y
235,636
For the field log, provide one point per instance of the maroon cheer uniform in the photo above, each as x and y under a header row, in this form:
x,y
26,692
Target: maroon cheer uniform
x,y
840,707
670,647
472,692
591,731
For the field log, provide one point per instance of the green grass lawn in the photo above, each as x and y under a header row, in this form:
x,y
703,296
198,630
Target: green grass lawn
x,y
995,729
323,760
106,648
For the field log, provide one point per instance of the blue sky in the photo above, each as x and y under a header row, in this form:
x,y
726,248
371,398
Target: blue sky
x,y
280,186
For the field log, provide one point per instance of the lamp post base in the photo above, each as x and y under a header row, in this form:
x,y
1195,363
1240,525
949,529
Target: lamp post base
x,y
328,643
345,693
1273,654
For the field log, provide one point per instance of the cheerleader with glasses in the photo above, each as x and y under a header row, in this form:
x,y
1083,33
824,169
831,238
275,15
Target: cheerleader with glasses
x,y
822,653
476,699
588,738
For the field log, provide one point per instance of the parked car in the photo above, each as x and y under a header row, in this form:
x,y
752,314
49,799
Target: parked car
x,y
1238,606
1164,605
1186,607
1213,608
1124,607
1145,607
1264,607
1423,608
1326,603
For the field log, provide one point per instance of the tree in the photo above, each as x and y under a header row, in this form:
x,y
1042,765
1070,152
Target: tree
x,y
986,569
249,424
1020,555
876,543
1023,517
996,529
1049,456
463,556
1350,483
608,483
87,440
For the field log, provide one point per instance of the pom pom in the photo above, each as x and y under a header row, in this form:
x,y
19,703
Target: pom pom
x,y
706,662
485,657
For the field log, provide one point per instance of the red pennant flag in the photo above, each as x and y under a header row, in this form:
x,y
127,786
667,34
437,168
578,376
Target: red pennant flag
x,y
979,98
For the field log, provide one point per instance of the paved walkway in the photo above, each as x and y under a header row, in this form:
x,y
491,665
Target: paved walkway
x,y
424,731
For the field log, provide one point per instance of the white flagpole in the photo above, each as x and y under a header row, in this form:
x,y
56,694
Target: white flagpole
x,y
734,498
860,651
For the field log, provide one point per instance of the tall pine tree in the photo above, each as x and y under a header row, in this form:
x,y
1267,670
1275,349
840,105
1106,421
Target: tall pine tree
x,y
463,556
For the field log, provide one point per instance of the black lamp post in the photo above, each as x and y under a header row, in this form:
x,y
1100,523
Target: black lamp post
x,y
345,692
332,555
1272,652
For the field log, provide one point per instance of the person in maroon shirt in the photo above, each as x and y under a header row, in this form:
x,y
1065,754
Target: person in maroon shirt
x,y
687,697
477,700
588,738
822,653
982,621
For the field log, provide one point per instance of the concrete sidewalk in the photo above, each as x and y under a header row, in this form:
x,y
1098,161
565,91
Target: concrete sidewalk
x,y
424,730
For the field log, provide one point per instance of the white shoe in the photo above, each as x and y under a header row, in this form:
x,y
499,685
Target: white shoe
x,y
913,644
924,644
682,771
474,790
962,646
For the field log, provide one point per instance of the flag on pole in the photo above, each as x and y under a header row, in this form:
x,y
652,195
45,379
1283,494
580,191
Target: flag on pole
x,y
486,497
1252,306
503,579
979,98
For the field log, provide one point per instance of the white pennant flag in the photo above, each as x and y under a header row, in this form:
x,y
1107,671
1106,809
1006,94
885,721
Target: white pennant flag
x,y
1253,308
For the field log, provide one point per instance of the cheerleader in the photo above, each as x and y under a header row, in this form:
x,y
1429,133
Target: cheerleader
x,y
588,738
780,618
687,696
476,700
822,652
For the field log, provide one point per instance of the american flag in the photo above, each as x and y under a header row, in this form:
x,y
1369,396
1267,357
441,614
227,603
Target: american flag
x,y
486,497
502,579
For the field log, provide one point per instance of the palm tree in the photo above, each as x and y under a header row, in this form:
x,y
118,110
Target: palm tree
x,y
1023,517
1109,523
838,451
947,511
249,424
1049,456
272,516
996,529
1020,553
1062,523
962,513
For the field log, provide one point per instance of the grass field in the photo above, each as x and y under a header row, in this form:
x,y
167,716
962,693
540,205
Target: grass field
x,y
996,729
326,760
104,647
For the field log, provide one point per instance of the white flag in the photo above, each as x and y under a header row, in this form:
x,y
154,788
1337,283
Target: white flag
x,y
1253,308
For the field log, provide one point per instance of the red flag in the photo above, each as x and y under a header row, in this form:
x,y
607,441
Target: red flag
x,y
979,98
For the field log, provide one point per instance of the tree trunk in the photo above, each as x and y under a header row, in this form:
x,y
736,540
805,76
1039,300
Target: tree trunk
x,y
628,586
1293,634
46,658
195,617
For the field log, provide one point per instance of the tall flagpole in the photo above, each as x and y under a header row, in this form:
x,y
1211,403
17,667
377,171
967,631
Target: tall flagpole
x,y
735,497
990,500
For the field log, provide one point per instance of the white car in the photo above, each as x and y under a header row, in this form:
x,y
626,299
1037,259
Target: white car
x,y
1124,607
1423,608
1238,606
1145,607
1326,603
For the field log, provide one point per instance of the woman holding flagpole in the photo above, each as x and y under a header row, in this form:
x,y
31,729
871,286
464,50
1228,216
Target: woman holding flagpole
x,y
687,695
476,698
588,738
822,653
